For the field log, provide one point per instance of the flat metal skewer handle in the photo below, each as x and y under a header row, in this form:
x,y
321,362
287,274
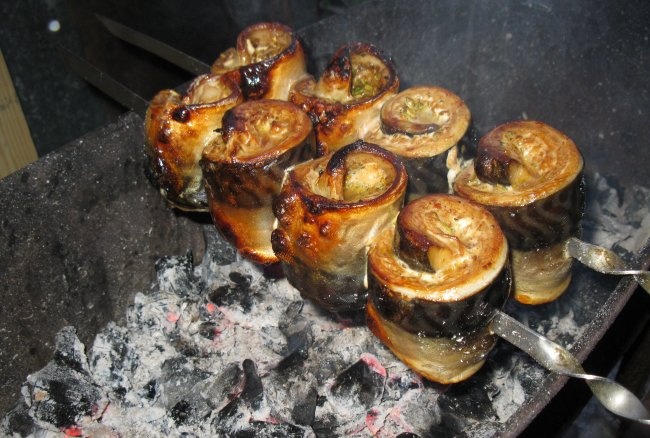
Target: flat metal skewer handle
x,y
605,261
613,396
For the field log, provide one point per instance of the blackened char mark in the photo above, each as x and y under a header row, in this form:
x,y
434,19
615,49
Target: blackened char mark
x,y
255,78
340,65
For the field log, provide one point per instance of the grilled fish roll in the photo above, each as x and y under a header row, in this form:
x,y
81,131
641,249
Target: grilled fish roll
x,y
177,129
329,211
243,170
267,60
529,175
435,279
423,125
348,95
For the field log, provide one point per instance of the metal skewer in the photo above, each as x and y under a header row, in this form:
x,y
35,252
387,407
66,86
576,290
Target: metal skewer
x,y
104,82
164,51
605,261
613,396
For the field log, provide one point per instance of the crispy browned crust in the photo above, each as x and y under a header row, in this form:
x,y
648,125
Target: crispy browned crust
x,y
529,175
461,242
339,103
177,129
424,126
548,161
434,281
244,168
267,60
420,122
328,212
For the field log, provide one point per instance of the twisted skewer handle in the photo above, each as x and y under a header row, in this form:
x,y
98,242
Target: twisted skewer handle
x,y
613,396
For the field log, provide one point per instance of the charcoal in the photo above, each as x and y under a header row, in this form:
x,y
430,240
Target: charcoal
x,y
63,390
296,356
111,357
360,383
326,426
240,279
18,422
178,377
422,414
450,426
187,412
259,429
291,314
407,435
185,346
176,274
150,390
208,329
327,366
218,390
230,417
239,293
304,410
398,385
69,351
180,412
253,388
60,395
294,325
298,332
233,414
469,399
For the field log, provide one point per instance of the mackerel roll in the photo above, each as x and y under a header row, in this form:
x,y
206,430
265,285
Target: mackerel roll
x,y
435,279
348,95
267,60
243,170
529,175
329,211
177,129
423,125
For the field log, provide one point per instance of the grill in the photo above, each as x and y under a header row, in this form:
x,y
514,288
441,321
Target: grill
x,y
84,231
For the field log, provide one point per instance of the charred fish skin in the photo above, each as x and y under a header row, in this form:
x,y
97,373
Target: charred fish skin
x,y
177,129
266,62
348,95
244,168
530,176
328,212
428,128
435,280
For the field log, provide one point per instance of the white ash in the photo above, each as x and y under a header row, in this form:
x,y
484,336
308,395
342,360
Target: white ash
x,y
623,215
222,350
507,391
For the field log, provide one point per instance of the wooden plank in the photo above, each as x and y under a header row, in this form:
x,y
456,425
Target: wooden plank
x,y
16,144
